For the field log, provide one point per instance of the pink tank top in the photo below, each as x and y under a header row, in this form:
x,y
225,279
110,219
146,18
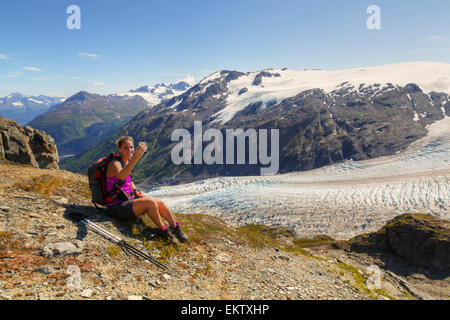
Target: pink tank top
x,y
126,187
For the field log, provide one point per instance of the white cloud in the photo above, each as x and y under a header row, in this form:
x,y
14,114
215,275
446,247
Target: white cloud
x,y
435,37
89,55
32,69
189,79
3,57
98,83
14,74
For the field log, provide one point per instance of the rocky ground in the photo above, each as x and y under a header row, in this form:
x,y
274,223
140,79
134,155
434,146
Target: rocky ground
x,y
46,254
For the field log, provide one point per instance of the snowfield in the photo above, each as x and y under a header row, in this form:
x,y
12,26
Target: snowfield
x,y
340,200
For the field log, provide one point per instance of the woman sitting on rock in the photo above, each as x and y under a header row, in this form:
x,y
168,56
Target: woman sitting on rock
x,y
119,169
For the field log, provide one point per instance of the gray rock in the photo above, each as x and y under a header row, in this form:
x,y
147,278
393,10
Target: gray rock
x,y
223,257
46,270
167,277
27,145
5,296
5,208
87,293
43,296
78,244
25,197
290,288
285,258
60,249
62,201
228,242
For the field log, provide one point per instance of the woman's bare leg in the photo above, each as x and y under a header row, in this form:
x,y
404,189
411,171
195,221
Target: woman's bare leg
x,y
148,206
165,212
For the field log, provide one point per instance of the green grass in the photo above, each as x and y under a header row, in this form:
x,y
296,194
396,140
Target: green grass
x,y
306,242
44,184
257,238
52,184
360,282
114,251
166,249
300,251
407,296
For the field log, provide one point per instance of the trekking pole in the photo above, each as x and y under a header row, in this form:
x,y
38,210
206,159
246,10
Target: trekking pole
x,y
127,247
117,240
100,230
114,239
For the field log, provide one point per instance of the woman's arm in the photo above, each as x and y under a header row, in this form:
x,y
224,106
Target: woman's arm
x,y
116,169
119,172
137,192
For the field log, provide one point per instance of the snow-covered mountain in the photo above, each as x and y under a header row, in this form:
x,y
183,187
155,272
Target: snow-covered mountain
x,y
323,117
161,91
271,86
24,108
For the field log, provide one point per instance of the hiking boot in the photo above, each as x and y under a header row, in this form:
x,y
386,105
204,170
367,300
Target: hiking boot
x,y
176,230
169,236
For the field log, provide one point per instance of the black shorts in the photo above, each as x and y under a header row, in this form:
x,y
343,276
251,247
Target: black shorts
x,y
122,211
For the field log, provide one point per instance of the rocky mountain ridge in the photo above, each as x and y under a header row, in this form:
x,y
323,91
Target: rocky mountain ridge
x,y
85,119
25,108
163,90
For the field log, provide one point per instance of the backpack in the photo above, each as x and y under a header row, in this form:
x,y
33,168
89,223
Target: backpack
x,y
97,181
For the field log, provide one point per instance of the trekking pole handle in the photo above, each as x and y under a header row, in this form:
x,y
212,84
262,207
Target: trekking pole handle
x,y
100,230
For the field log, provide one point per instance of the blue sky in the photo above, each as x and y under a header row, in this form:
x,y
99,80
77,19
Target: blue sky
x,y
123,45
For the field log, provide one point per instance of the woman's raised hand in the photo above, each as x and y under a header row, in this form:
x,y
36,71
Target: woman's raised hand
x,y
141,149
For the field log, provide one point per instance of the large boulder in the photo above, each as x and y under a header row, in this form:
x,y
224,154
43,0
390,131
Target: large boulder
x,y
27,145
422,240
